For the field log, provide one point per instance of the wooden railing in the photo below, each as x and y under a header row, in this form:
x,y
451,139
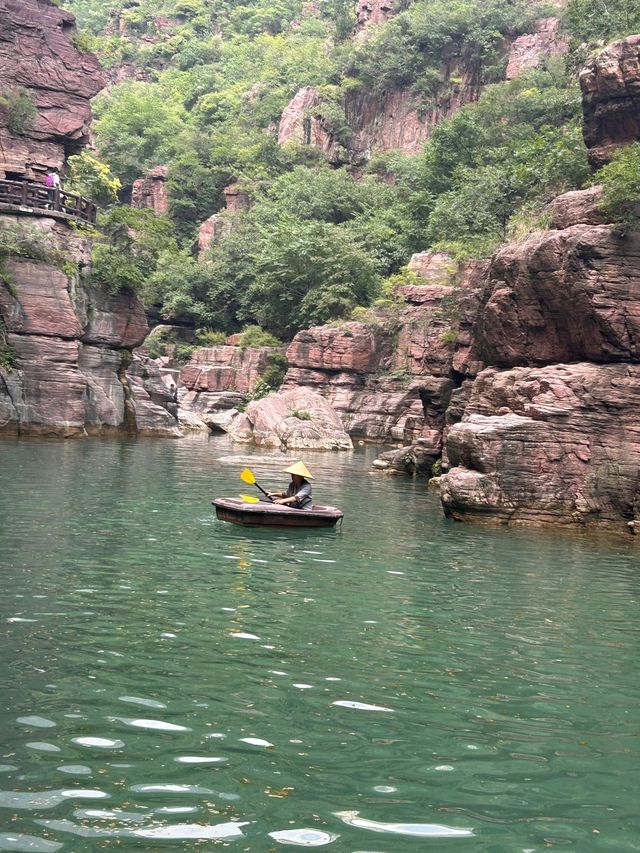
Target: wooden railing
x,y
31,195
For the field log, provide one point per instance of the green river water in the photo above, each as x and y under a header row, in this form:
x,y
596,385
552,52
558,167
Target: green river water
x,y
170,682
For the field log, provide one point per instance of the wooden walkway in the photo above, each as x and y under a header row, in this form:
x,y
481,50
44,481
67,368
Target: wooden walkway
x,y
29,197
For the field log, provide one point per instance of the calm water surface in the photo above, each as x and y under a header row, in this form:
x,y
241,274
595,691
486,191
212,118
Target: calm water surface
x,y
170,682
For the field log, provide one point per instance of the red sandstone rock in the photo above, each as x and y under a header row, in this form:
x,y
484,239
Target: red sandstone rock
x,y
153,407
395,391
566,452
61,385
114,320
104,392
208,231
39,300
579,207
274,422
37,52
563,296
528,51
47,392
226,368
350,346
373,12
69,340
301,121
433,267
151,191
236,199
392,122
610,84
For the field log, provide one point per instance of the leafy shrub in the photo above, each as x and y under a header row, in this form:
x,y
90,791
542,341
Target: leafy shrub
x,y
620,180
449,336
275,370
301,414
21,109
184,353
89,177
602,21
210,338
7,352
255,336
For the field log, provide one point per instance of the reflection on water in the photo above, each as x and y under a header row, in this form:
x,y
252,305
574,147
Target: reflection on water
x,y
403,684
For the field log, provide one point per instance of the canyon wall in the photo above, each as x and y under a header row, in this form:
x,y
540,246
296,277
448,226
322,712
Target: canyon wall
x,y
521,375
66,366
39,60
395,119
550,432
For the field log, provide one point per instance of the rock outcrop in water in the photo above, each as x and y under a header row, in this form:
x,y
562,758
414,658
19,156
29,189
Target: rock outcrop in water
x,y
295,419
66,366
219,379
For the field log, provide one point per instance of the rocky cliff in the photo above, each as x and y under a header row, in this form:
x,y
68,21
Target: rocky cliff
x,y
523,374
66,366
39,60
395,119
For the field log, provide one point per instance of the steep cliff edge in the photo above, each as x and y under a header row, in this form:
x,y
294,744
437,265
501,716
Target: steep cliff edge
x,y
550,433
66,366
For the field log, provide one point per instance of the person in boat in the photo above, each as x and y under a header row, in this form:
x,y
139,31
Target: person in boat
x,y
298,494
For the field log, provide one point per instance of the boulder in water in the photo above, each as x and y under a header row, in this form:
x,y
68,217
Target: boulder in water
x,y
296,419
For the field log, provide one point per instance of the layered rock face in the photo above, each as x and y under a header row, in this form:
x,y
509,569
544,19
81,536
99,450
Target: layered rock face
x,y
557,444
530,50
392,120
393,379
218,378
236,200
550,431
610,84
563,296
66,366
67,348
37,54
372,12
301,122
151,191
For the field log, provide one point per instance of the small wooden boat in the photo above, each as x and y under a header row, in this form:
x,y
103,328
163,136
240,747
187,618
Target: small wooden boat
x,y
275,515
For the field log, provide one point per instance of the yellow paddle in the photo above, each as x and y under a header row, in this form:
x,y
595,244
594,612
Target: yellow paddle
x,y
250,499
247,476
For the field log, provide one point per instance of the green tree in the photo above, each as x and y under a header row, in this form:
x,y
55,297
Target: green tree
x,y
89,177
137,126
602,21
307,273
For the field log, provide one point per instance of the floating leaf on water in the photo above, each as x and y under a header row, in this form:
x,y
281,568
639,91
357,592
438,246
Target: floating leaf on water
x,y
277,792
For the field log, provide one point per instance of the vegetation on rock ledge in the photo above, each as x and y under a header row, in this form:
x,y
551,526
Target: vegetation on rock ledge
x,y
204,83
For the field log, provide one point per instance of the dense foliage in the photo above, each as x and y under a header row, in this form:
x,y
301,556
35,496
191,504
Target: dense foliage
x,y
210,82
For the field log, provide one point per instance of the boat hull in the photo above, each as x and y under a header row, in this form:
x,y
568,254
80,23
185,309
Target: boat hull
x,y
274,515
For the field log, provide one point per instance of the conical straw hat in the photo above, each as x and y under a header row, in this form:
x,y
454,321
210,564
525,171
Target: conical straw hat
x,y
301,469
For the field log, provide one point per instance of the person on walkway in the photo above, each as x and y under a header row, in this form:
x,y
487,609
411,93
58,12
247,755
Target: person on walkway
x,y
298,494
52,183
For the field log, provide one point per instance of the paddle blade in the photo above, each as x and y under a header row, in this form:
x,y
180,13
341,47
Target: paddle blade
x,y
250,499
247,477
